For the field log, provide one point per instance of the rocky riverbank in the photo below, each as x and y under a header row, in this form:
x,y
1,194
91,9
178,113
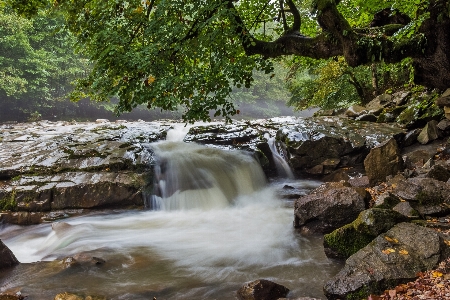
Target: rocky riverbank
x,y
387,165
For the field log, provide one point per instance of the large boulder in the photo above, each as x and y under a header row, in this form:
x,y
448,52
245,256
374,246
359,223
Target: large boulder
x,y
427,196
314,142
382,161
349,239
7,258
392,258
262,289
328,207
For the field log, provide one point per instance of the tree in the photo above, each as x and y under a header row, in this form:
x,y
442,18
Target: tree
x,y
36,64
191,53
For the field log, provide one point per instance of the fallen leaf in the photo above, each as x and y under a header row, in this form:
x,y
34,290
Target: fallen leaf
x,y
403,252
447,243
392,293
437,274
391,240
388,251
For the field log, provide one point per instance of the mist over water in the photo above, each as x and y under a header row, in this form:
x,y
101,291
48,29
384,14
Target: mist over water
x,y
215,224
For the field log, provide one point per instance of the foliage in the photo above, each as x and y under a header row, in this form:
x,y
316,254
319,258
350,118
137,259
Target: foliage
x,y
333,84
37,63
195,53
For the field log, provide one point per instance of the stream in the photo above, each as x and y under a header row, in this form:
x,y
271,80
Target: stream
x,y
212,224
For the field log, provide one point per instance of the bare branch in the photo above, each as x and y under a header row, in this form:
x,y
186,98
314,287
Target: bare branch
x,y
297,18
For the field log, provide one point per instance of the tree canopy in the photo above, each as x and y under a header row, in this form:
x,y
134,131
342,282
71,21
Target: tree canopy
x,y
192,53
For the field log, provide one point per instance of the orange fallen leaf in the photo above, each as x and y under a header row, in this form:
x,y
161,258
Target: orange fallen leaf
x,y
437,274
447,242
388,251
403,252
391,240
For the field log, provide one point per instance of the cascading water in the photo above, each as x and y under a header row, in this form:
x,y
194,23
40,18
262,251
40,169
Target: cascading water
x,y
217,226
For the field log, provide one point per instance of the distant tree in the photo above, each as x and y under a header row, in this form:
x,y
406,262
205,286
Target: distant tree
x,y
37,64
191,53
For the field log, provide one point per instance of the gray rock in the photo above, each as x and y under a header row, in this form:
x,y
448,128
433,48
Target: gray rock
x,y
405,209
382,161
426,195
367,118
392,258
7,258
439,172
310,142
330,206
347,240
262,289
377,104
411,137
429,133
355,111
444,125
400,98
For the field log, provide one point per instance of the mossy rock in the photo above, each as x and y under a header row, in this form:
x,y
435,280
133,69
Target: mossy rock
x,y
349,239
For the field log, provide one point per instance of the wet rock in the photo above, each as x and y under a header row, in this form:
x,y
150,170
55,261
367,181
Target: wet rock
x,y
68,296
56,147
7,258
328,207
439,172
393,257
400,98
426,195
367,118
21,217
355,111
349,239
382,161
379,103
411,137
262,289
429,133
11,296
310,142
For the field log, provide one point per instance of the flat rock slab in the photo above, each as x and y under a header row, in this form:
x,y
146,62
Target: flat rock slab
x,y
50,147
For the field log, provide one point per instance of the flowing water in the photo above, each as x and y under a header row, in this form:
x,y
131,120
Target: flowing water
x,y
213,225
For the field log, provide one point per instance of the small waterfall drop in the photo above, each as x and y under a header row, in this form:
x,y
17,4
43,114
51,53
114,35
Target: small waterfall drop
x,y
281,165
191,176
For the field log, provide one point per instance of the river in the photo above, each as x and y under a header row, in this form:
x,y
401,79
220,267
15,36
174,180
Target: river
x,y
212,224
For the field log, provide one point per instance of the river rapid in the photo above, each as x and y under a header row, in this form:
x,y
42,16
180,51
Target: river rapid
x,y
212,224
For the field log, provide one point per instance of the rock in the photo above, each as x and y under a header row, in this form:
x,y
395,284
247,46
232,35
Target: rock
x,y
386,200
355,111
444,125
360,181
416,158
429,133
328,207
7,258
426,195
349,239
310,142
367,118
400,98
392,258
439,172
68,296
382,161
379,103
11,296
411,137
262,289
444,99
405,209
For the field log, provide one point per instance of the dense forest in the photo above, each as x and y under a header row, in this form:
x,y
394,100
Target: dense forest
x,y
207,57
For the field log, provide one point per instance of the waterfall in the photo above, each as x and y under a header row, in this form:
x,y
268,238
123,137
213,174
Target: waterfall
x,y
281,165
191,176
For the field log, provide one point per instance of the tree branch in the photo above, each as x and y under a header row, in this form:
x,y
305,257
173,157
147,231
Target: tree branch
x,y
297,18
